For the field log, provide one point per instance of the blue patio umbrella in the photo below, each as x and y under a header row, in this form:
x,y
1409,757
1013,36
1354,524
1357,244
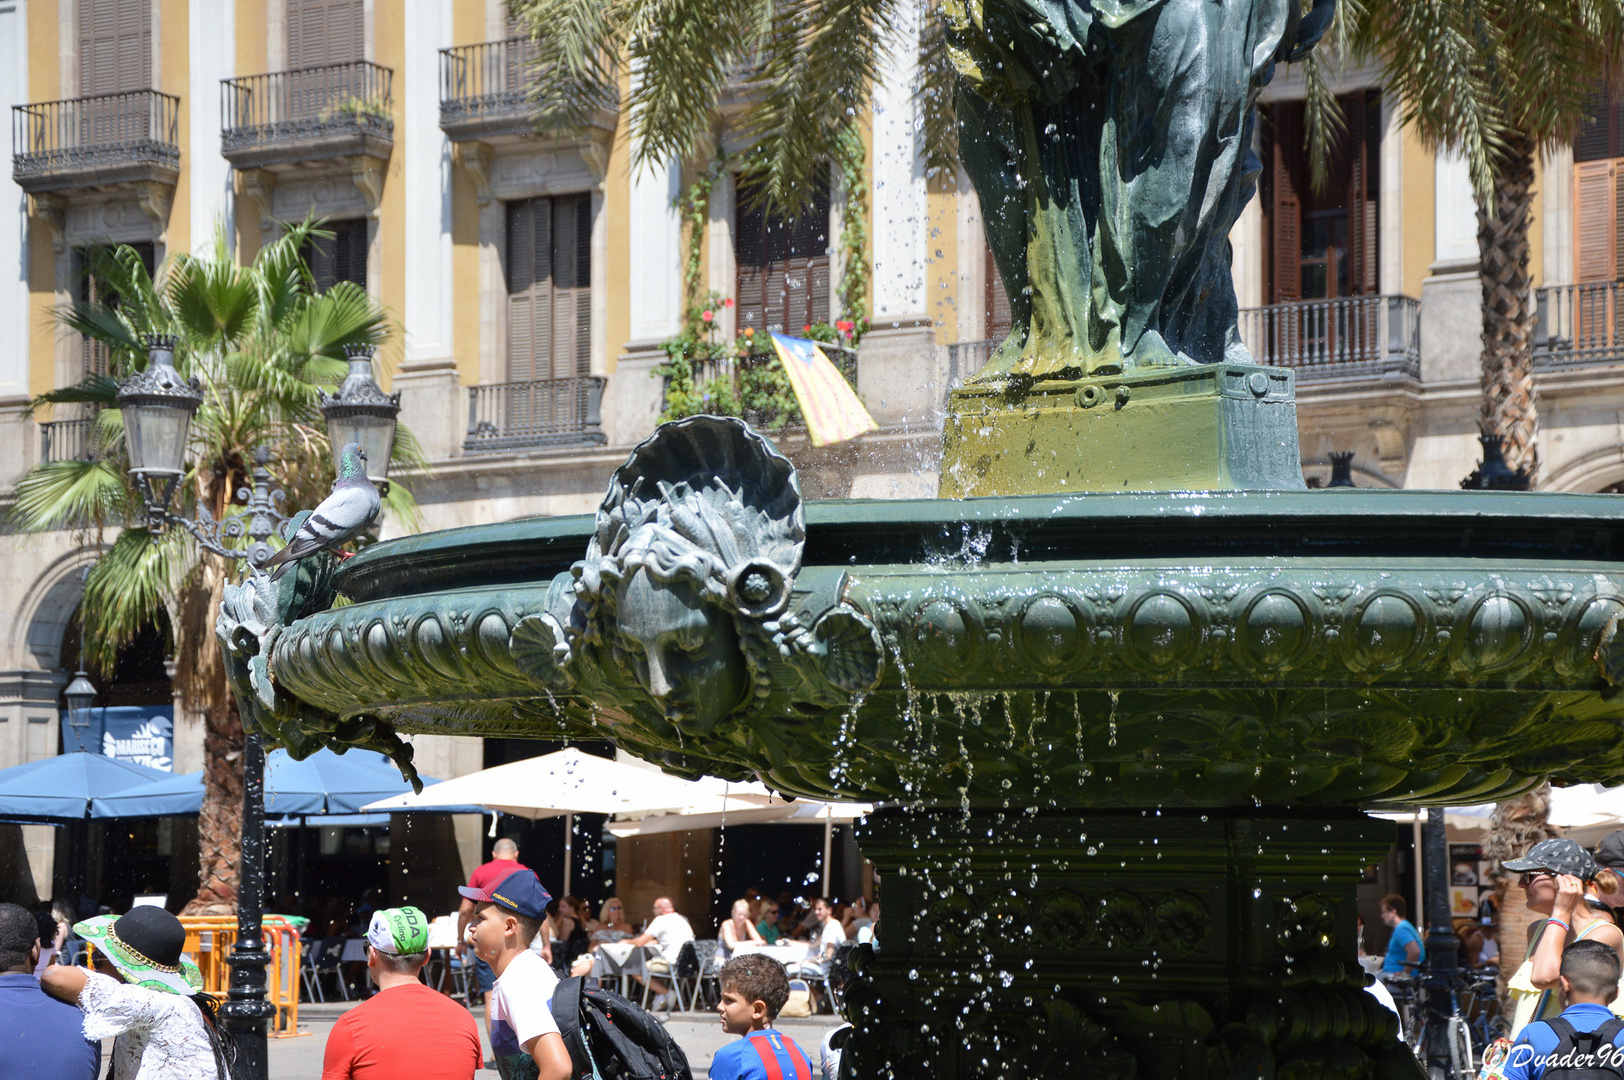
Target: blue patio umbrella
x,y
323,783
64,788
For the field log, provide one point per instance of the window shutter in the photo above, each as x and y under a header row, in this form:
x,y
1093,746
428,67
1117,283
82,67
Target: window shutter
x,y
995,299
1286,213
1596,217
1601,137
324,32
115,46
571,352
343,257
750,260
1364,232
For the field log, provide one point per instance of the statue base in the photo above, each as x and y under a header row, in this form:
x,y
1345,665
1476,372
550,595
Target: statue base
x,y
1119,945
1197,428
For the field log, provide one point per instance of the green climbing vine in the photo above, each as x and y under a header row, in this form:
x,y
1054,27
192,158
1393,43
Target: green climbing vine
x,y
704,373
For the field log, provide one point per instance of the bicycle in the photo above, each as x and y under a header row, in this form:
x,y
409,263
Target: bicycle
x,y
1458,1060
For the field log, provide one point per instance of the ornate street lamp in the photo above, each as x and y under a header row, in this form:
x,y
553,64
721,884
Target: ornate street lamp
x,y
362,413
158,407
79,694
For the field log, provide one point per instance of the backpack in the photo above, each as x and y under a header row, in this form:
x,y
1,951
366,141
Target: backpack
x,y
609,1038
1593,1055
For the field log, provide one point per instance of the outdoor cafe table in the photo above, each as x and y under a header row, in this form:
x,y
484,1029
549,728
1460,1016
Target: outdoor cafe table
x,y
618,960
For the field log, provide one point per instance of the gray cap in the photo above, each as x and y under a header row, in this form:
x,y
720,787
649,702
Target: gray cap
x,y
1610,852
1562,856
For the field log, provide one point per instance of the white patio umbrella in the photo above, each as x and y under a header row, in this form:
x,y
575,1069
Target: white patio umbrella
x,y
569,782
779,811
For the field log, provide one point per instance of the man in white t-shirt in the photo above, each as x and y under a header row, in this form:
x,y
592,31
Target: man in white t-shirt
x,y
830,936
670,931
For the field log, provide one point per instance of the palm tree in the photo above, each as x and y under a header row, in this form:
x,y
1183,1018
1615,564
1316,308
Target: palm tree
x,y
1496,81
263,342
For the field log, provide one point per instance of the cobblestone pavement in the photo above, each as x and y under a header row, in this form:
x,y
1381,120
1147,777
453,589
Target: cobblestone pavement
x,y
699,1035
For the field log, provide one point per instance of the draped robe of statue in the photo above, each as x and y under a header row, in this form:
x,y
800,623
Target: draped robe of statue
x,y
1111,144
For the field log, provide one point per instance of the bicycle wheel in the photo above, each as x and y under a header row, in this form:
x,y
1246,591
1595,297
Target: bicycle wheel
x,y
1460,1050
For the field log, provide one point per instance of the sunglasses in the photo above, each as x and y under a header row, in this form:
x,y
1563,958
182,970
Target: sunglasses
x,y
1532,876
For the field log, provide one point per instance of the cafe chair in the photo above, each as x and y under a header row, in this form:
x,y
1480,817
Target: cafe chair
x,y
705,951
687,973
322,960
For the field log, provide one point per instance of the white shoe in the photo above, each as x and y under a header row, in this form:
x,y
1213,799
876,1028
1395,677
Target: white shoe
x,y
661,1003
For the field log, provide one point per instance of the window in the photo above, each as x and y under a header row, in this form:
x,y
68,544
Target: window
x,y
324,32
549,278
340,257
1322,244
783,264
1598,180
115,46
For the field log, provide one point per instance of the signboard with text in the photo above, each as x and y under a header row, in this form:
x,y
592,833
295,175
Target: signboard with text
x,y
140,734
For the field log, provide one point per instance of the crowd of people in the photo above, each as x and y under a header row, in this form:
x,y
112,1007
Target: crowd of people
x,y
1564,991
515,940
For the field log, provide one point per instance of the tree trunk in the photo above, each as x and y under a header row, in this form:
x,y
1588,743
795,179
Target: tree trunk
x,y
1510,406
219,823
202,677
1516,825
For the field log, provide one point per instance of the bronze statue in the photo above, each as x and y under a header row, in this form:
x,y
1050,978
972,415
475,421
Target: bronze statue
x,y
1111,144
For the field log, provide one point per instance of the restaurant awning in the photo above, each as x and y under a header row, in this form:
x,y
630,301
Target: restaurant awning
x,y
65,787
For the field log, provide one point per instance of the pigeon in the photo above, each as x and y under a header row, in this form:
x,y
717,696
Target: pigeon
x,y
351,507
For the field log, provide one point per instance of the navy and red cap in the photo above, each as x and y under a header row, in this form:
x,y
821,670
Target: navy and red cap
x,y
520,892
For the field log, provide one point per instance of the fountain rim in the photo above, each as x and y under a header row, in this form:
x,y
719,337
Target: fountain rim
x,y
1195,524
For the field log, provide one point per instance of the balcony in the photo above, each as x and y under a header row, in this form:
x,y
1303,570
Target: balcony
x,y
484,91
99,141
67,440
288,118
1579,325
538,413
1359,337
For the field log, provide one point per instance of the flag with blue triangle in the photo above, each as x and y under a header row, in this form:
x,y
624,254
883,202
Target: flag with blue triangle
x,y
832,410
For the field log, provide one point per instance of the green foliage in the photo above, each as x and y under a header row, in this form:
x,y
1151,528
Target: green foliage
x,y
263,343
1474,77
800,71
853,292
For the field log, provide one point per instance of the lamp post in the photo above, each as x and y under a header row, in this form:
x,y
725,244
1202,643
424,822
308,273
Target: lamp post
x,y
158,407
79,694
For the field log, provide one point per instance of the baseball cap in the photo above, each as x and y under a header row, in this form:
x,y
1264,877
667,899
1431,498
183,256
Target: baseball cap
x,y
520,892
1561,856
399,931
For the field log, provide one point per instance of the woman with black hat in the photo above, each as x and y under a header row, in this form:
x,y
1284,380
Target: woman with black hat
x,y
1562,881
145,993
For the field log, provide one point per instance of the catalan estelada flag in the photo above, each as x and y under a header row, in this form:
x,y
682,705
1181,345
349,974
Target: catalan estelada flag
x,y
831,408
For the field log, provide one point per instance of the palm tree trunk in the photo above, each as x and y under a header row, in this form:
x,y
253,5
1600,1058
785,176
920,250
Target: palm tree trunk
x,y
1510,406
219,824
1515,826
202,677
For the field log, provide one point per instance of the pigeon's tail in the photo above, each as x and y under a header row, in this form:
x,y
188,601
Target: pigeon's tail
x,y
276,575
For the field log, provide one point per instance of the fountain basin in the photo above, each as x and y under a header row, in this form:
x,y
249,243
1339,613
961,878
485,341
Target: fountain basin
x,y
1099,650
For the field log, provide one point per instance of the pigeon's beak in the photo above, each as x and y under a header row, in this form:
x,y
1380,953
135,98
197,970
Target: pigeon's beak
x,y
362,454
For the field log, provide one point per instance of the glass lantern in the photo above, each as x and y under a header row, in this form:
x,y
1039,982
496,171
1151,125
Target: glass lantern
x,y
362,413
158,406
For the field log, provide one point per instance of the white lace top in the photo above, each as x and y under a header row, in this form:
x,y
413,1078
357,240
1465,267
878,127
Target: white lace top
x,y
159,1036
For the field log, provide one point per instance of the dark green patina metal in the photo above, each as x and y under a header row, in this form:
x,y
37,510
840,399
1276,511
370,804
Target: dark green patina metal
x,y
1118,735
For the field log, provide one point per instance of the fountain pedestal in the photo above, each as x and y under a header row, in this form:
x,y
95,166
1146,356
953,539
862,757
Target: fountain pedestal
x,y
1202,427
1118,944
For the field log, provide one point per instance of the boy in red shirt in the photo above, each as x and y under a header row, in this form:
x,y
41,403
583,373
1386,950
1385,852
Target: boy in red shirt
x,y
405,1029
754,989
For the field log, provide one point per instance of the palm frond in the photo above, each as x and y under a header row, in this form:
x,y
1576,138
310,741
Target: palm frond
x,y
127,588
93,389
575,73
935,87
71,494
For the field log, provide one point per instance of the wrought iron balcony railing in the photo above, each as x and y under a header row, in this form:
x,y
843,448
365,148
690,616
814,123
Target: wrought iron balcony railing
x,y
486,86
1576,325
1352,337
539,412
335,110
67,440
103,139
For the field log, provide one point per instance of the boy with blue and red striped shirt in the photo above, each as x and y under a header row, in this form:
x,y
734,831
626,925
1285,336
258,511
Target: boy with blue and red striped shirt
x,y
754,988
